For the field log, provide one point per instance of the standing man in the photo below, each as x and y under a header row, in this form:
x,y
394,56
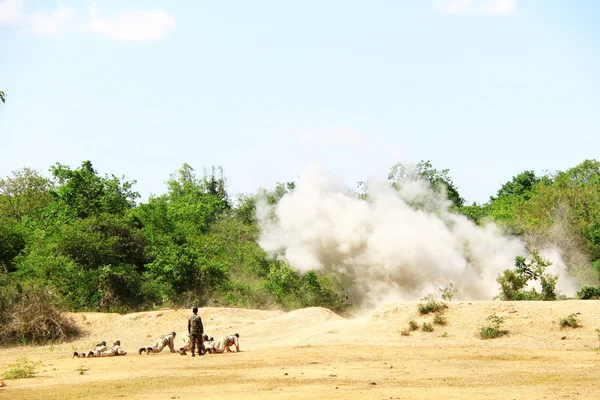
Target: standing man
x,y
196,331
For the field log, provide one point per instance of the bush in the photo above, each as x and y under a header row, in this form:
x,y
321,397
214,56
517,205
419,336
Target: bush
x,y
405,332
427,327
431,306
493,331
413,326
23,368
33,315
569,321
589,293
513,282
439,320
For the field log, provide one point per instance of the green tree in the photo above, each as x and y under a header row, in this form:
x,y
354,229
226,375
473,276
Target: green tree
x,y
439,181
82,192
2,96
513,282
25,195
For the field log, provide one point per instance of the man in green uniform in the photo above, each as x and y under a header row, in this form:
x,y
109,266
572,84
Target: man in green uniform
x,y
196,331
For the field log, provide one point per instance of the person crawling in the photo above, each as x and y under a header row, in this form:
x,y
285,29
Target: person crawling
x,y
99,348
115,350
160,344
226,343
208,341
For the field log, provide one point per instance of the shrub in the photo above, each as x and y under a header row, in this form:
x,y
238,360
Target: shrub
x,y
431,306
589,293
513,282
33,315
493,331
439,320
22,368
413,326
427,327
569,321
405,332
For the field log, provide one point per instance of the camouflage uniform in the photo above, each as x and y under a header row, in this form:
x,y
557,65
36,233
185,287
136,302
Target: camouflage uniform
x,y
159,345
227,342
187,344
100,347
116,350
196,331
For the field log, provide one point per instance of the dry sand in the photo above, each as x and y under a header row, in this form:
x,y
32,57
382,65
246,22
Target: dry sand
x,y
315,354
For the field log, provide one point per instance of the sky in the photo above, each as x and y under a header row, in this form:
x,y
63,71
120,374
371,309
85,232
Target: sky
x,y
484,88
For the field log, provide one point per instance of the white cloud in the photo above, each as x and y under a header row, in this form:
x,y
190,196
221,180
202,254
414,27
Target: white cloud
x,y
51,23
11,12
475,7
133,26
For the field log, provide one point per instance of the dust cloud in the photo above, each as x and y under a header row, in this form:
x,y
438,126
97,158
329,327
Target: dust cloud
x,y
399,245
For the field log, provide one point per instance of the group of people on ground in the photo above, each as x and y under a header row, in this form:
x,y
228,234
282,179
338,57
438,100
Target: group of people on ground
x,y
102,350
195,341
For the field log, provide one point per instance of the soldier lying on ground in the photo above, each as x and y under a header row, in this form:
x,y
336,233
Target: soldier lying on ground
x,y
159,345
116,350
187,344
99,347
228,341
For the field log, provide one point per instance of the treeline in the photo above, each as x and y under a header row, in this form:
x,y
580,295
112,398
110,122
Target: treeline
x,y
84,238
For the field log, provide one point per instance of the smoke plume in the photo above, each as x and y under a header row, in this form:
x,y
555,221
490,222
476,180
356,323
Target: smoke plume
x,y
397,245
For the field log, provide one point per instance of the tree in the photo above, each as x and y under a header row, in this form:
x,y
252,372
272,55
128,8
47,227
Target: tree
x,y
513,282
25,194
82,192
520,185
2,96
440,181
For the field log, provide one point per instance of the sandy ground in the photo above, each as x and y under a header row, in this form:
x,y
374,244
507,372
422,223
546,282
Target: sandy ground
x,y
314,353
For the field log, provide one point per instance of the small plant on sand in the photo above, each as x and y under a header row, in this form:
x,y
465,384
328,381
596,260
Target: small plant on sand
x,y
82,369
445,335
431,305
427,327
439,320
569,321
493,331
413,326
22,368
405,332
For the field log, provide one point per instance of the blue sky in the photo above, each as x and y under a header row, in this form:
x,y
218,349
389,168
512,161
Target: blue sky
x,y
485,88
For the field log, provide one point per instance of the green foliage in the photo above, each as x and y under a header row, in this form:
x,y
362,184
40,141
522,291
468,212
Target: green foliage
x,y
405,332
494,330
589,293
2,96
427,327
21,369
84,238
439,320
413,326
439,181
513,282
82,193
431,306
569,321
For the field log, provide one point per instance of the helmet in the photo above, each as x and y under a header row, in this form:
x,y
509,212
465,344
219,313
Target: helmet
x,y
173,333
237,335
118,343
